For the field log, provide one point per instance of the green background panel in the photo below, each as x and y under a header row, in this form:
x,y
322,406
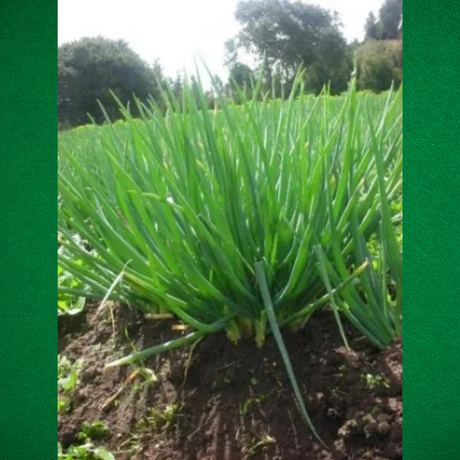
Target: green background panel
x,y
432,230
28,322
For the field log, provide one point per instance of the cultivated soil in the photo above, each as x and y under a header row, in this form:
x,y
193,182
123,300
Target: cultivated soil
x,y
232,402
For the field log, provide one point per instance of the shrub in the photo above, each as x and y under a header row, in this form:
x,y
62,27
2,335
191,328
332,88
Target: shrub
x,y
89,68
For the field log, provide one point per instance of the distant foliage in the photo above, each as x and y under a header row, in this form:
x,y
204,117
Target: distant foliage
x,y
391,19
373,28
380,57
380,64
290,35
281,35
241,76
388,26
89,68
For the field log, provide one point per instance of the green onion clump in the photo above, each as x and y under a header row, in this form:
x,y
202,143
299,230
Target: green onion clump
x,y
245,218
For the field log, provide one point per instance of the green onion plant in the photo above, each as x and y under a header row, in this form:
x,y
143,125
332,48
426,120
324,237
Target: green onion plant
x,y
243,218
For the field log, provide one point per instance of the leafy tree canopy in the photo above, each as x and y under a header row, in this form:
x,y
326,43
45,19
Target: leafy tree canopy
x,y
389,24
372,28
89,68
390,17
380,64
293,34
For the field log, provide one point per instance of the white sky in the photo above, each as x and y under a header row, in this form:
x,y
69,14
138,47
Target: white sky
x,y
177,30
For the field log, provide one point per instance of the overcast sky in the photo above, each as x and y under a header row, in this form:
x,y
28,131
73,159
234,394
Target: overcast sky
x,y
176,30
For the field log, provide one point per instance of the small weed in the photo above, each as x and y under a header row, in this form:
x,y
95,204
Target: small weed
x,y
250,403
258,443
158,419
373,381
375,410
68,374
373,245
244,409
84,452
347,428
134,444
228,380
62,405
93,431
148,378
68,304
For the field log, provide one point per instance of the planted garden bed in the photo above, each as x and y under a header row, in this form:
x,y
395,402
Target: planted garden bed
x,y
242,270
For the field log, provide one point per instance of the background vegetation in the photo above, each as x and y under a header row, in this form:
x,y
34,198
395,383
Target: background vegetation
x,y
280,35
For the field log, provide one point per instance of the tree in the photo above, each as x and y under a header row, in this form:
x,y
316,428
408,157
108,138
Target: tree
x,y
291,35
242,76
231,52
372,28
334,64
89,68
380,64
177,86
390,17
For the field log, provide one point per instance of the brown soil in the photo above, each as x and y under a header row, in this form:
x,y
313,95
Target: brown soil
x,y
235,401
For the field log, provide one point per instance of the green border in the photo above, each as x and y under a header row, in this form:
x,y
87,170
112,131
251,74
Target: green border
x,y
28,322
432,230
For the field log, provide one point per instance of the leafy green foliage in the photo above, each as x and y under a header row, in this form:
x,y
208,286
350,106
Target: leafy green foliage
x,y
380,64
67,382
93,431
89,68
68,374
390,15
68,304
294,34
389,24
373,381
62,405
85,451
242,76
372,28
